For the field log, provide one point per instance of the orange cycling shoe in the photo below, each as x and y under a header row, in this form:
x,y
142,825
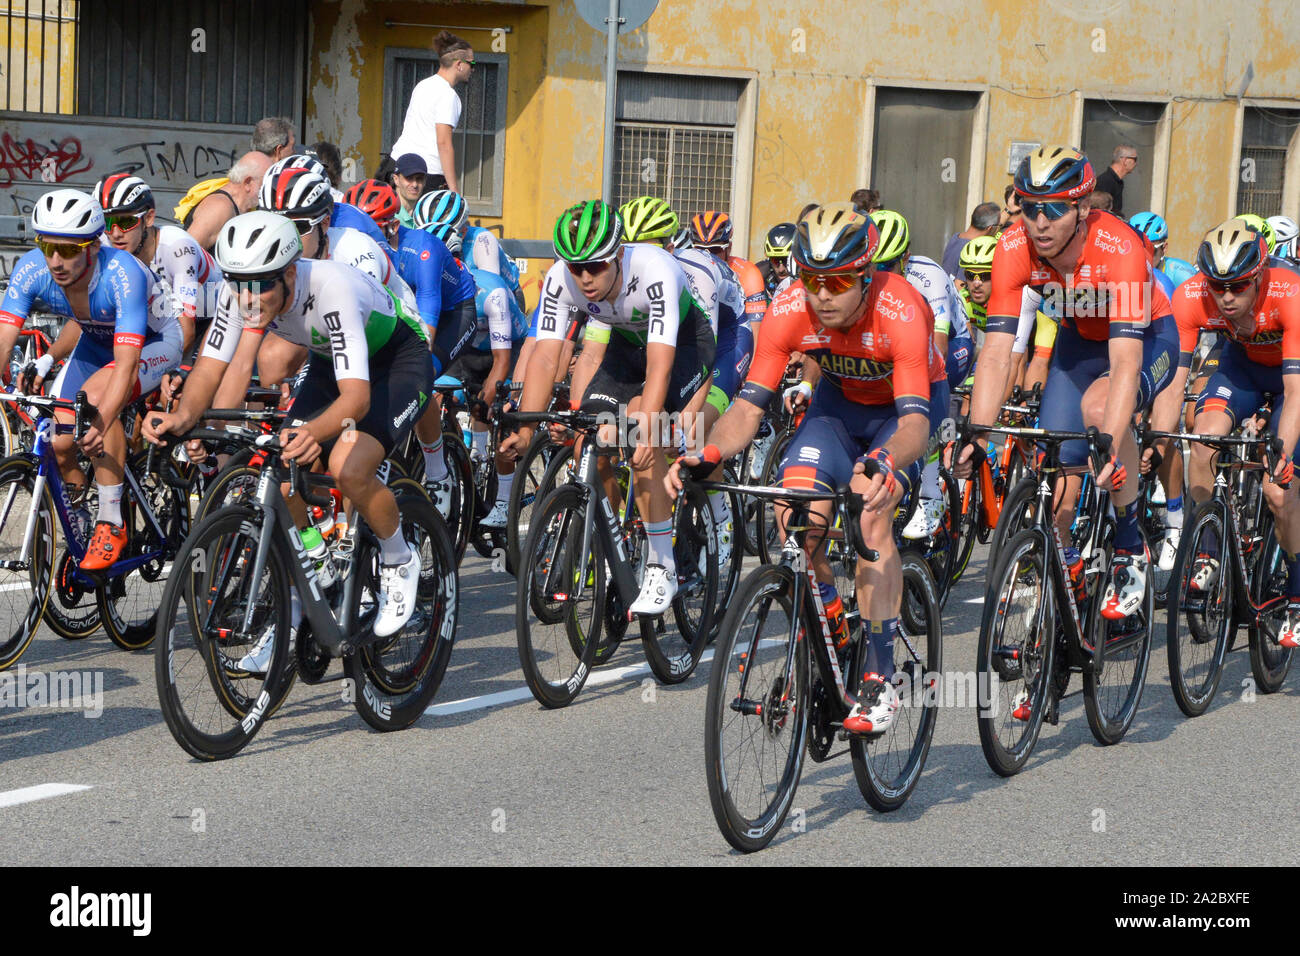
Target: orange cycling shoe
x,y
105,546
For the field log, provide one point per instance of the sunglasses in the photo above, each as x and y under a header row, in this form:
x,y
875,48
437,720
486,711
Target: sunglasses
x,y
125,223
305,226
972,276
596,267
254,284
64,249
472,63
836,283
1052,210
1236,288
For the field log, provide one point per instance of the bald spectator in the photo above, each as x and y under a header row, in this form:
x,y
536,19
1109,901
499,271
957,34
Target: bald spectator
x,y
238,196
1123,161
984,220
866,200
274,136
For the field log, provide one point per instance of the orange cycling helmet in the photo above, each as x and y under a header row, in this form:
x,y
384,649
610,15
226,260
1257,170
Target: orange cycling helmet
x,y
711,229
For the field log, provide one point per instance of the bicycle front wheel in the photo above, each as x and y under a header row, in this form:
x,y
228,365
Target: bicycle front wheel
x,y
674,652
24,591
1269,660
756,717
1196,653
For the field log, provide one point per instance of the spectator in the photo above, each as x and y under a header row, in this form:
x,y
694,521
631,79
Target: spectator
x,y
983,222
331,159
1010,207
409,177
434,112
866,200
1122,162
1100,199
238,196
274,137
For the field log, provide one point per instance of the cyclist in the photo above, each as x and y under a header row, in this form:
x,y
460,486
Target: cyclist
x,y
1265,229
169,252
712,232
357,333
341,213
482,247
648,350
1256,307
1285,231
1117,341
119,343
775,269
869,421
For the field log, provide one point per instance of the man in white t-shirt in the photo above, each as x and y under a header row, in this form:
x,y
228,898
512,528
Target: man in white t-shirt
x,y
434,112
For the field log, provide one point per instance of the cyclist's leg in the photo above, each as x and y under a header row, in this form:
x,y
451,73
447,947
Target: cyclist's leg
x,y
278,360
1074,367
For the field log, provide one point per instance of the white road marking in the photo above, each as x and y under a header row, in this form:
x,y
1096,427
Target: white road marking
x,y
11,798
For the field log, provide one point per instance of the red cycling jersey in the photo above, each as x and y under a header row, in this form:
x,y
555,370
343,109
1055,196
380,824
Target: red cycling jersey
x,y
886,356
752,285
1275,336
1110,294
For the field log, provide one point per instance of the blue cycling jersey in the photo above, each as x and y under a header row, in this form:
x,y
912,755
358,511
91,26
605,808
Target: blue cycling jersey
x,y
501,323
439,281
120,294
1180,270
344,214
506,269
1166,283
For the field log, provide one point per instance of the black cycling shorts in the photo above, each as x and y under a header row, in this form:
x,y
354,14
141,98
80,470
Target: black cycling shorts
x,y
621,376
456,328
473,367
401,383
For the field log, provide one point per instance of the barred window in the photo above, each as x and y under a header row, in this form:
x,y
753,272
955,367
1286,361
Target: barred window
x,y
479,140
1266,137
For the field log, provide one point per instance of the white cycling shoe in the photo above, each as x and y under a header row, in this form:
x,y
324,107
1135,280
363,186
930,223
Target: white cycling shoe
x,y
658,588
439,492
258,659
877,705
398,586
496,518
1169,549
927,520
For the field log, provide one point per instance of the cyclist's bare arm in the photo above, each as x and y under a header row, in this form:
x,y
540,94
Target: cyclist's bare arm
x,y
234,384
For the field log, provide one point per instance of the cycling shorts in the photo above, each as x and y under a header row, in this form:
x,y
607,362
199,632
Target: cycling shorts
x,y
735,352
456,327
621,375
473,367
1078,362
1238,388
961,356
161,353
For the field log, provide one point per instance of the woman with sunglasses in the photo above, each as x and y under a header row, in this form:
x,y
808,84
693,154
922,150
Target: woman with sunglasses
x,y
1255,307
170,252
1115,351
123,336
868,423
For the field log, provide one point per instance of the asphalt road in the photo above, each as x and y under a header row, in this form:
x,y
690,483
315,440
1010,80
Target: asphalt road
x,y
488,776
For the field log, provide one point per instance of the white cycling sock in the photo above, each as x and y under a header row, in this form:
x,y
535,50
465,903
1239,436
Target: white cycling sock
x,y
1174,513
480,440
435,462
394,550
504,484
110,504
930,481
659,535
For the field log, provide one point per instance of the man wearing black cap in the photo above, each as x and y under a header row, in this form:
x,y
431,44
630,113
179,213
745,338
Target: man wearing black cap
x,y
409,180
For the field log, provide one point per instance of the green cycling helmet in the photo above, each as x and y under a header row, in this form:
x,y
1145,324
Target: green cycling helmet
x,y
648,220
588,231
894,237
1261,226
977,255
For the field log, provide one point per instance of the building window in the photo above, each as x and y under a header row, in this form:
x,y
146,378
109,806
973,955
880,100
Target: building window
x,y
920,161
1107,124
479,140
39,60
674,137
1267,136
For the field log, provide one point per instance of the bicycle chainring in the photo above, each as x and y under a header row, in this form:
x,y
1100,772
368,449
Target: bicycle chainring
x,y
821,736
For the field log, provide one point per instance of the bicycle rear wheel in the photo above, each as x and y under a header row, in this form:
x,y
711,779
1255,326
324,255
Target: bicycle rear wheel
x,y
754,746
525,493
1269,661
1019,511
968,527
674,652
1196,656
888,767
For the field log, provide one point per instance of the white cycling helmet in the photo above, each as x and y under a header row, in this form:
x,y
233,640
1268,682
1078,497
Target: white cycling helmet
x,y
257,245
67,214
296,161
1285,232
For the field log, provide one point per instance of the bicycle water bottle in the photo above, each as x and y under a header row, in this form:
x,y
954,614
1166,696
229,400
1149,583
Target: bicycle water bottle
x,y
320,556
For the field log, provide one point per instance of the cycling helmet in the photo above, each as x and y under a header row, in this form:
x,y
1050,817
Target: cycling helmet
x,y
779,243
894,238
1054,172
296,161
977,254
67,214
439,206
123,194
257,245
1231,251
835,237
449,236
297,193
1151,225
682,240
377,200
1261,226
588,231
647,219
1285,232
1180,270
711,230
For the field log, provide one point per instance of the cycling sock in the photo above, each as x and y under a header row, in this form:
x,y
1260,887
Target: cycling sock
x,y
480,440
659,535
1127,536
930,481
435,462
880,648
1174,512
1293,576
834,606
504,484
394,550
720,507
110,504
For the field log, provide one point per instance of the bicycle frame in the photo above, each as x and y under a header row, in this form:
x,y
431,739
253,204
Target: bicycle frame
x,y
609,528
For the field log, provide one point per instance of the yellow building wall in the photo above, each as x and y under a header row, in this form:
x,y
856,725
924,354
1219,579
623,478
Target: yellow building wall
x,y
32,42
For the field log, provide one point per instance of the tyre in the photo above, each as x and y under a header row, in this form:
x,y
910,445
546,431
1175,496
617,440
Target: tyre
x,y
1269,661
1019,511
25,593
1017,642
888,767
460,520
754,744
560,599
674,651
968,527
211,706
1113,682
396,677
1196,664
524,493
73,610
235,484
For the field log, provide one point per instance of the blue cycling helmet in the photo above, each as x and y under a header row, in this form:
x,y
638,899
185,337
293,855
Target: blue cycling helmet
x,y
438,207
1151,225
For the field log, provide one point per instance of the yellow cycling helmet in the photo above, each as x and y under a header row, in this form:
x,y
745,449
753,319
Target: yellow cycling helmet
x,y
977,254
1261,226
894,237
648,219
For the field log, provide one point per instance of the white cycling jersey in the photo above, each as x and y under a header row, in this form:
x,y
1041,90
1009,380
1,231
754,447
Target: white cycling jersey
x,y
361,252
654,298
336,311
715,287
929,279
